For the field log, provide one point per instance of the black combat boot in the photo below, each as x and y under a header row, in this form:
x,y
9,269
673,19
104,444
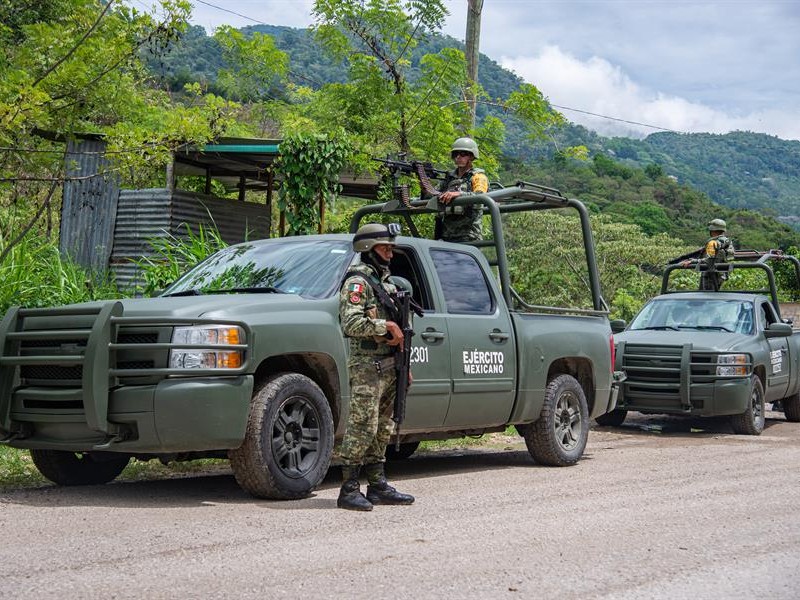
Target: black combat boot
x,y
350,496
380,492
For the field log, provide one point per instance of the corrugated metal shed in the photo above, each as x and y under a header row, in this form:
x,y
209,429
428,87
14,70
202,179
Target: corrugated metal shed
x,y
89,205
143,215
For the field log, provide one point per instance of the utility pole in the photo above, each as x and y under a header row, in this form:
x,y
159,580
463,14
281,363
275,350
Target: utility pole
x,y
472,53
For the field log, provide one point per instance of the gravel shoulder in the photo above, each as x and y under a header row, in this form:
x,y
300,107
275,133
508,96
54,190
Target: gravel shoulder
x,y
660,508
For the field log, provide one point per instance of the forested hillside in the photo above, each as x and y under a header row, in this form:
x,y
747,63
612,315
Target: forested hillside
x,y
740,170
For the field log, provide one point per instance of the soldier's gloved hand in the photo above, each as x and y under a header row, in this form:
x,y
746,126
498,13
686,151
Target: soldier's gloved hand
x,y
447,197
395,333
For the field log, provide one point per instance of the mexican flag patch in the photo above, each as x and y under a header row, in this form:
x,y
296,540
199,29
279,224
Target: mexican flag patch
x,y
355,288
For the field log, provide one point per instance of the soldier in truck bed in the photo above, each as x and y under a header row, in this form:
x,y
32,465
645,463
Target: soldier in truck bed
x,y
462,223
717,250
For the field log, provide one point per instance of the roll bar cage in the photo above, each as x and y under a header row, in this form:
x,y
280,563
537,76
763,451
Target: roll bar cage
x,y
743,259
520,197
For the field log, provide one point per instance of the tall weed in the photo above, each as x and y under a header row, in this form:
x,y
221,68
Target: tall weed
x,y
35,274
174,255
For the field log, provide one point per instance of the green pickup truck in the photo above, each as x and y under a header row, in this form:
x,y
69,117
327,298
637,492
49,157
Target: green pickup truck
x,y
243,357
709,353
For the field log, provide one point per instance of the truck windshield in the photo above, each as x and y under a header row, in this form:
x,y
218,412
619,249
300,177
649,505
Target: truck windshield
x,y
704,315
309,268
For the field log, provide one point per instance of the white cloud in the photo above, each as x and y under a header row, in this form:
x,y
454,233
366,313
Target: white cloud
x,y
597,86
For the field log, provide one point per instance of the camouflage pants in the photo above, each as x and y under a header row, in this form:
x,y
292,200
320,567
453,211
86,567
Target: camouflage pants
x,y
369,424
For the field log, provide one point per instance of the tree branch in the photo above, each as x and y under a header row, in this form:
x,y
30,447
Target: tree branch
x,y
30,223
77,45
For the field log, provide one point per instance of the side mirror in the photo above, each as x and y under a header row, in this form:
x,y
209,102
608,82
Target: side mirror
x,y
618,325
776,330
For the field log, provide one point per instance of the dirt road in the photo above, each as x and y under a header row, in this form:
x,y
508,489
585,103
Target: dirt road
x,y
654,510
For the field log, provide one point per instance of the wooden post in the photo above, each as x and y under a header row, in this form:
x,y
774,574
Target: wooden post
x,y
242,181
321,225
472,54
270,181
207,188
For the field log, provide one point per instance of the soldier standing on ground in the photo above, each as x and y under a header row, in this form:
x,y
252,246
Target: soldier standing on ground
x,y
462,223
369,319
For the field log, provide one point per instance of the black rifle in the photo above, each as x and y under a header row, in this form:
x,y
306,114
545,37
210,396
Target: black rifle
x,y
402,358
694,254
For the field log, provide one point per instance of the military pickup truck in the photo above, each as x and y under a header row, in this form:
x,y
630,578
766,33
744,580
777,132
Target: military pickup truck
x,y
243,357
709,353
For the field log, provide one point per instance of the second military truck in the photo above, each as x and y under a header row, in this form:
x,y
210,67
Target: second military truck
x,y
244,357
707,353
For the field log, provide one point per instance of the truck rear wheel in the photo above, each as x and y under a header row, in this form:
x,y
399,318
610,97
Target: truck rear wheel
x,y
751,421
79,468
288,442
558,438
791,408
613,419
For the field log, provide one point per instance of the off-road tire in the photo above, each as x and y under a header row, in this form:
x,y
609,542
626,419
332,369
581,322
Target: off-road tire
x,y
289,439
558,438
752,420
791,408
615,418
79,468
405,451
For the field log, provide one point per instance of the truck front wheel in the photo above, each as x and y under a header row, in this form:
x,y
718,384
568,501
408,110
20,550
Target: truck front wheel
x,y
288,442
79,468
558,438
751,421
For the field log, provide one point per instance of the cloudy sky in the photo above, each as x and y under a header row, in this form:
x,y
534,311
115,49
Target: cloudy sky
x,y
681,65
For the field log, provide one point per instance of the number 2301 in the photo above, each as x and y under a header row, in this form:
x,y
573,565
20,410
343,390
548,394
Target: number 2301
x,y
419,354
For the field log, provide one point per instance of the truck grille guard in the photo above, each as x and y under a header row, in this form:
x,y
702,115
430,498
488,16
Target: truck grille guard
x,y
89,357
660,372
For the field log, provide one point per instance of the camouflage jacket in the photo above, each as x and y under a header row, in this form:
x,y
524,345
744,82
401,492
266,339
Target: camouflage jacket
x,y
719,248
463,223
362,315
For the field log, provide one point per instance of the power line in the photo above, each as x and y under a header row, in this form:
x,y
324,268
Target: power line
x,y
231,12
586,112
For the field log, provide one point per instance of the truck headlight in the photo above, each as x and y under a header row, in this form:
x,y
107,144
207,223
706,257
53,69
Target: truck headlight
x,y
206,358
732,365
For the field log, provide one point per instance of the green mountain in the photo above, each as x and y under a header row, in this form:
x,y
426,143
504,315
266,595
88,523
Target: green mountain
x,y
739,170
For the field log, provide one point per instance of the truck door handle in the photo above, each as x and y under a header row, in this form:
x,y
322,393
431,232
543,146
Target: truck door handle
x,y
429,335
498,336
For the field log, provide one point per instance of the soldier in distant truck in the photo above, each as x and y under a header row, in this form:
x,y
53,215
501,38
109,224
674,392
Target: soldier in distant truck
x,y
462,223
717,250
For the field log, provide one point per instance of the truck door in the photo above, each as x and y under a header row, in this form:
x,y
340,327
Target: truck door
x,y
778,370
482,353
429,395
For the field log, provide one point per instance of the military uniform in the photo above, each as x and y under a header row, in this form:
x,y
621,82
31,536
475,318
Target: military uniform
x,y
463,223
367,310
718,250
372,387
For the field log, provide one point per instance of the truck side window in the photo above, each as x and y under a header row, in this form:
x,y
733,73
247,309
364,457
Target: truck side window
x,y
406,264
463,283
767,314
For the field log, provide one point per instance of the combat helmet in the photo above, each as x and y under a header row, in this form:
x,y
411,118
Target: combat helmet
x,y
370,235
466,144
717,225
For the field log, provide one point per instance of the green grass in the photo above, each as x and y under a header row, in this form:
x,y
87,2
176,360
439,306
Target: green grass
x,y
492,439
18,471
